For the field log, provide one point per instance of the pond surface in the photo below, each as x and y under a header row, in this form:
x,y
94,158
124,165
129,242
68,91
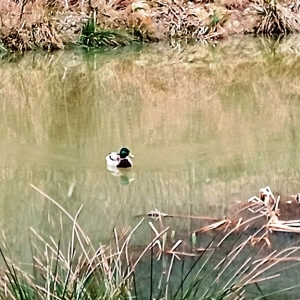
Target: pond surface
x,y
209,126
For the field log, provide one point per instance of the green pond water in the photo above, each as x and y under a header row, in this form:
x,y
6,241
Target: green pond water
x,y
209,126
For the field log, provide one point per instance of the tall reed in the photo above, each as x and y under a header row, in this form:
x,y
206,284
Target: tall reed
x,y
226,267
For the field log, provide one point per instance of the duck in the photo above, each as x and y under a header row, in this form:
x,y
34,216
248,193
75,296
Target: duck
x,y
119,159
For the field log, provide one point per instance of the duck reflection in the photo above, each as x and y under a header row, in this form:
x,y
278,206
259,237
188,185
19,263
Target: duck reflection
x,y
124,178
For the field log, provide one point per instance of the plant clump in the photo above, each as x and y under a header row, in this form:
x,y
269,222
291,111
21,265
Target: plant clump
x,y
194,22
38,35
277,18
92,37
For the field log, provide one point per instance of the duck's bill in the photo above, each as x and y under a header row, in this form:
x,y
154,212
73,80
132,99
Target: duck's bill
x,y
131,155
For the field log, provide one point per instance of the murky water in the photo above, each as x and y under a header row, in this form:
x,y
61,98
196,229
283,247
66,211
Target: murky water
x,y
208,126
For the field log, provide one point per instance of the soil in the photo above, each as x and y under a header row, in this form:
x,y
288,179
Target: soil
x,y
53,24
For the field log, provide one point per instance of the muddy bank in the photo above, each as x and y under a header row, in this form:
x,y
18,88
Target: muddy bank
x,y
53,24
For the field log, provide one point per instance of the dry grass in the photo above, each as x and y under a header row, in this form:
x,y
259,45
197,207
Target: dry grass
x,y
277,18
224,268
48,25
236,4
28,25
265,214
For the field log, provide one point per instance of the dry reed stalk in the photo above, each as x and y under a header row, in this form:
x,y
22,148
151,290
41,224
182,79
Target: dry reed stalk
x,y
237,251
63,210
156,214
144,251
273,212
267,263
215,225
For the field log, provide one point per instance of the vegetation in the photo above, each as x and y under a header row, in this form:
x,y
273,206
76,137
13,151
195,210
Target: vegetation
x,y
53,24
277,18
227,267
93,38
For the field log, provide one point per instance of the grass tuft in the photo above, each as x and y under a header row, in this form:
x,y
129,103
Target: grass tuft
x,y
228,267
277,18
93,37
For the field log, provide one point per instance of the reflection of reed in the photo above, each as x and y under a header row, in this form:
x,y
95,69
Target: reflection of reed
x,y
168,108
130,102
204,134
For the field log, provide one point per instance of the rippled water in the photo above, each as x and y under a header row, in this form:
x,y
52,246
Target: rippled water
x,y
208,126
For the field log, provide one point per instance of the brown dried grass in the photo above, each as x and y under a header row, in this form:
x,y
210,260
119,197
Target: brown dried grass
x,y
277,18
25,27
236,4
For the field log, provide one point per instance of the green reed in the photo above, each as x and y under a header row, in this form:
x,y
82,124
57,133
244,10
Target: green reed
x,y
93,38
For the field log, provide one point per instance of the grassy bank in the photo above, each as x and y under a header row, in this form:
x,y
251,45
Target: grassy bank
x,y
53,24
208,264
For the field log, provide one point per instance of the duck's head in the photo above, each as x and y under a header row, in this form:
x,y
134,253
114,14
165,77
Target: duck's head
x,y
124,152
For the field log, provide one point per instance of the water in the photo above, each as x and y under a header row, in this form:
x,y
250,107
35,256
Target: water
x,y
208,126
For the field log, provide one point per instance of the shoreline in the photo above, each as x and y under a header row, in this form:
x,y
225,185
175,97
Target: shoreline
x,y
54,24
